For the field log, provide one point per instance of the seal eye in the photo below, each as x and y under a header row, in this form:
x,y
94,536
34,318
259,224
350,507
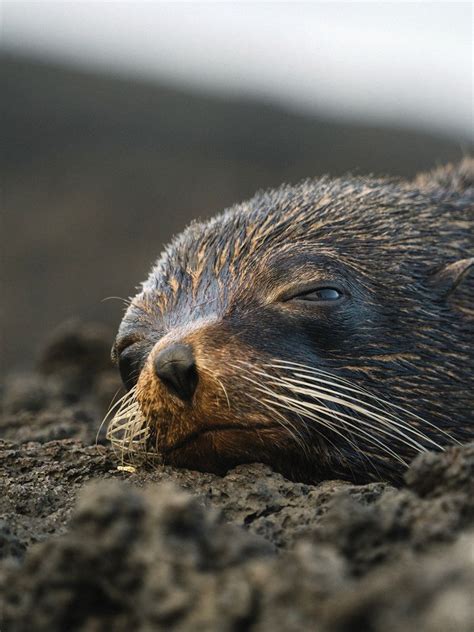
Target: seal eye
x,y
130,365
321,295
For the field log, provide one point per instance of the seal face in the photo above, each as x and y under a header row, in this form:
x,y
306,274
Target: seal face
x,y
324,329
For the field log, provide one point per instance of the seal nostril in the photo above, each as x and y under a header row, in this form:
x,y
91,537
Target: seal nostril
x,y
176,368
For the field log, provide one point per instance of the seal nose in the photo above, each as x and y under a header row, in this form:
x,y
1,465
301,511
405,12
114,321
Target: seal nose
x,y
176,368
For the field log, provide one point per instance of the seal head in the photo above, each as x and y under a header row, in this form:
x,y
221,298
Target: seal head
x,y
324,329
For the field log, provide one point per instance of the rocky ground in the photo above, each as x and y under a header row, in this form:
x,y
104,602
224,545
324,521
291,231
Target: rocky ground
x,y
87,546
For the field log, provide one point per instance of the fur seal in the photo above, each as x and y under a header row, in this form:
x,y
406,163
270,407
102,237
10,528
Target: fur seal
x,y
325,329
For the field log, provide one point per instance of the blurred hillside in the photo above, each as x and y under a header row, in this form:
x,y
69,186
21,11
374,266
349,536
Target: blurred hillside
x,y
99,172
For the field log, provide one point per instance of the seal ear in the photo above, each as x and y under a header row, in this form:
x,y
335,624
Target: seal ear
x,y
450,276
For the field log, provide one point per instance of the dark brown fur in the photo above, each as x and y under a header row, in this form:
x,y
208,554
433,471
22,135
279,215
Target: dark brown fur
x,y
401,251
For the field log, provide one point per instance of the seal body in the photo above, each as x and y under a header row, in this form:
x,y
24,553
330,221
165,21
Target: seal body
x,y
323,328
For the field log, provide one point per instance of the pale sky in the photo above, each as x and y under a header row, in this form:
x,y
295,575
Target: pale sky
x,y
399,63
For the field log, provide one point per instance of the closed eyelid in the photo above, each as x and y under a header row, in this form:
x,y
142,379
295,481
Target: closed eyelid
x,y
123,343
291,290
324,294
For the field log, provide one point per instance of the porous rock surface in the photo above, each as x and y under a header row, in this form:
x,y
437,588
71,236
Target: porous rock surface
x,y
87,546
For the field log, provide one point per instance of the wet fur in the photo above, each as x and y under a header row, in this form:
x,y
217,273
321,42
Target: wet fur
x,y
405,337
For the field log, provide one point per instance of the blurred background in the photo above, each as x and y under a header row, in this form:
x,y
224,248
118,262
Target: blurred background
x,y
121,121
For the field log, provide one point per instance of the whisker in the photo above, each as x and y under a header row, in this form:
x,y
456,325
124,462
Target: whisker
x,y
397,420
313,370
218,381
288,424
322,422
324,410
127,430
125,301
325,424
283,422
357,430
348,402
112,405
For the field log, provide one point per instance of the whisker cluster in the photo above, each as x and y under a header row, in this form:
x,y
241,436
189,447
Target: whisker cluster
x,y
323,402
127,430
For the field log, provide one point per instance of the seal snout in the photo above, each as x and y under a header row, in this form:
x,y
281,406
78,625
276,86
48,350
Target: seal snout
x,y
175,367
